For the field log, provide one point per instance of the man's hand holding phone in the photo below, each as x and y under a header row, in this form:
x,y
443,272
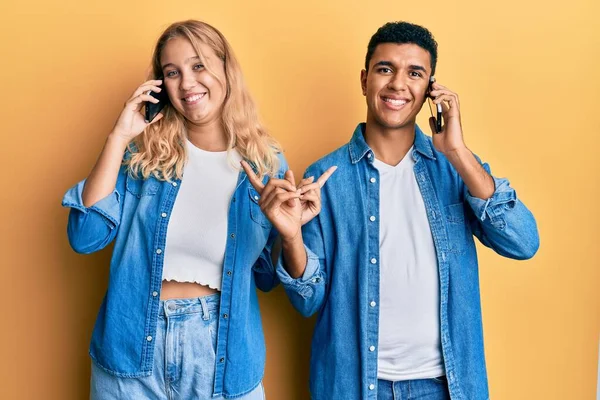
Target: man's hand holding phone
x,y
450,138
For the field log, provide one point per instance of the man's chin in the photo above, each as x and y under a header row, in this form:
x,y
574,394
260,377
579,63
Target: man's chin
x,y
397,124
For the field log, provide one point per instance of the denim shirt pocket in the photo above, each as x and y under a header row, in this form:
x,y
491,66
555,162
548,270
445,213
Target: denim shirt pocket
x,y
456,226
141,187
255,212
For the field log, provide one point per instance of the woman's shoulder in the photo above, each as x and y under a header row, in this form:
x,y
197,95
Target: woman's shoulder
x,y
283,164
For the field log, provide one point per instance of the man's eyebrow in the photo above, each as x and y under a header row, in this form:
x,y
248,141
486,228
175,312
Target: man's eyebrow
x,y
384,63
417,68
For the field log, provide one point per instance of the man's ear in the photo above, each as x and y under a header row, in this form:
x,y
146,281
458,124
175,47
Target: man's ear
x,y
363,81
431,80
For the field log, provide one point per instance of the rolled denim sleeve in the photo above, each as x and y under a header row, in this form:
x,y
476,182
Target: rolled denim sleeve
x,y
503,197
503,222
91,228
306,292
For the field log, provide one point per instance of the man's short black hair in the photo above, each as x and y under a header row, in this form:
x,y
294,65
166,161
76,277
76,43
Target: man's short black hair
x,y
403,32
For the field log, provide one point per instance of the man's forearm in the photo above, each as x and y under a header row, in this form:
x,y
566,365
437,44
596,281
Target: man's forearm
x,y
294,256
478,181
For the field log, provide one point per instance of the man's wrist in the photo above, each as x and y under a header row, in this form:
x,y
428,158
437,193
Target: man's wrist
x,y
294,255
458,155
293,241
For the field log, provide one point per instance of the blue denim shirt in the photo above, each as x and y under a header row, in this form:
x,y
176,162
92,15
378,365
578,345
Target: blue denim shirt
x,y
136,216
344,286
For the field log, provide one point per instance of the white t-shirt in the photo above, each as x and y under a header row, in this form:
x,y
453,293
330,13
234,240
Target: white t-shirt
x,y
197,231
409,318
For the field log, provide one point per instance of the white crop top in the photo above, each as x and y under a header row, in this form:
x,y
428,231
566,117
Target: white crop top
x,y
197,230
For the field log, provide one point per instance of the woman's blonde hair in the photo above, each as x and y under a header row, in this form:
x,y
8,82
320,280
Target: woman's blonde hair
x,y
160,150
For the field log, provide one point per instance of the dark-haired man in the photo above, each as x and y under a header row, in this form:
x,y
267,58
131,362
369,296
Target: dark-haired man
x,y
397,287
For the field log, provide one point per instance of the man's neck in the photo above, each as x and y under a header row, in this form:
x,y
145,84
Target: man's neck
x,y
389,145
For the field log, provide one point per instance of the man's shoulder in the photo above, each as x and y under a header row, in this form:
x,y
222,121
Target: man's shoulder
x,y
337,157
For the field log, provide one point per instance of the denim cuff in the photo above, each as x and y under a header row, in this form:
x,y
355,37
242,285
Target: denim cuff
x,y
305,284
109,207
504,198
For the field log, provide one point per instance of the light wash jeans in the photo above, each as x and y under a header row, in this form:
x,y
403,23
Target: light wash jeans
x,y
418,389
184,357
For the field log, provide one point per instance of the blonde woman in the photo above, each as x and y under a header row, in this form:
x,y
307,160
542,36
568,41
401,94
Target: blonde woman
x,y
193,231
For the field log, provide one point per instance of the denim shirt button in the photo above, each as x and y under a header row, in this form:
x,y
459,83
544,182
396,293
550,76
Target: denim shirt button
x,y
174,183
149,338
372,348
373,304
225,316
158,251
373,261
372,218
221,360
164,215
373,180
371,386
154,294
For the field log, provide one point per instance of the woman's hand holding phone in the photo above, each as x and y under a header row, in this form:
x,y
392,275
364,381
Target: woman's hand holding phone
x,y
102,180
131,122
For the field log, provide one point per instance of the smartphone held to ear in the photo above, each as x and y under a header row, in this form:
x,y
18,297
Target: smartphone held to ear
x,y
152,109
438,119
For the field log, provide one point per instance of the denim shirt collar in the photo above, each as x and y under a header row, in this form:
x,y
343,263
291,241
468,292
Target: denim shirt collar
x,y
358,147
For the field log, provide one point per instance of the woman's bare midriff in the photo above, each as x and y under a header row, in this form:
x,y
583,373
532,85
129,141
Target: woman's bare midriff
x,y
184,290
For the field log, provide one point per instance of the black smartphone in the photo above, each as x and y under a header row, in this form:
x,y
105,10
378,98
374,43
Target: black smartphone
x,y
438,119
152,109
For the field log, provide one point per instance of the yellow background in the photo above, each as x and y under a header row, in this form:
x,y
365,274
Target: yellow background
x,y
527,76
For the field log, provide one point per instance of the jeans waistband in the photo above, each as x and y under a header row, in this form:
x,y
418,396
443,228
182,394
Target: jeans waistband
x,y
204,305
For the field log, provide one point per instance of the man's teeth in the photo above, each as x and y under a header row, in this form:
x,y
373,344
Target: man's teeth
x,y
193,98
395,102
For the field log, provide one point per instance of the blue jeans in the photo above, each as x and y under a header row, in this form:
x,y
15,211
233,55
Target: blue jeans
x,y
184,357
418,389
